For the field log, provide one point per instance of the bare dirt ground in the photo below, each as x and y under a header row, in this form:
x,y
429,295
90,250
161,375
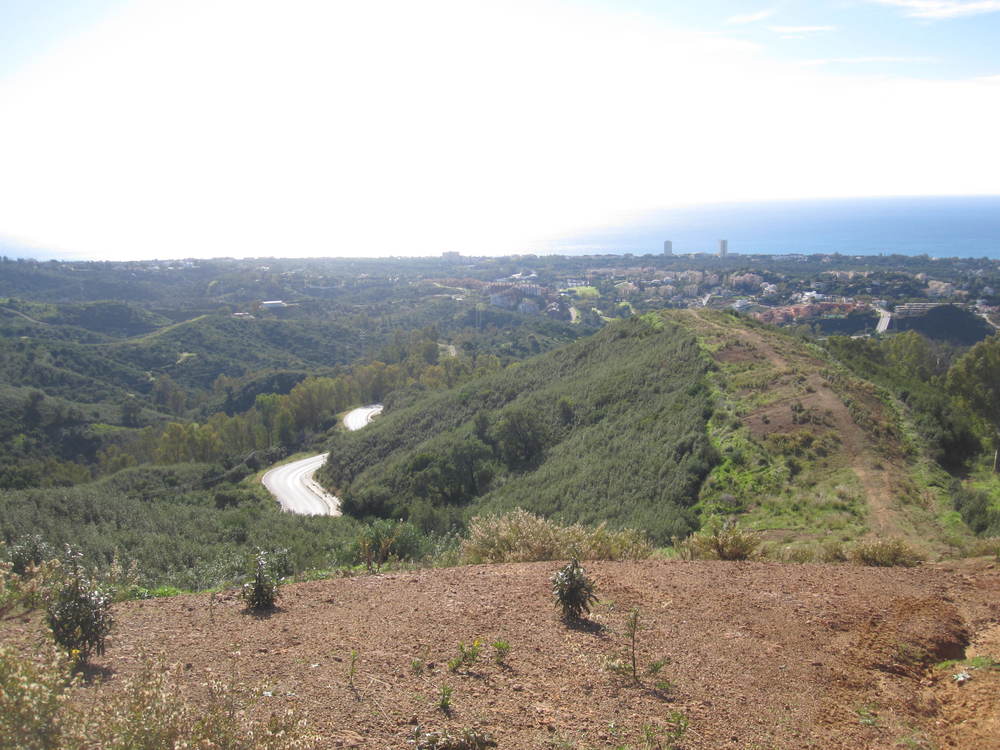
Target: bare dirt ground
x,y
762,655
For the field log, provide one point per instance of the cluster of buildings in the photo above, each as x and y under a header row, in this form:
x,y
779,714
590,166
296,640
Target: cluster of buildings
x,y
523,296
808,310
668,248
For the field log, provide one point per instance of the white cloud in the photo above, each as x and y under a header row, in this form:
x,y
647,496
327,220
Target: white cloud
x,y
245,127
746,18
801,29
943,9
869,60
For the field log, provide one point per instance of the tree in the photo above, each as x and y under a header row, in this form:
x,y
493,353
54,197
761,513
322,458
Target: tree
x,y
520,436
131,409
168,394
32,409
267,405
975,380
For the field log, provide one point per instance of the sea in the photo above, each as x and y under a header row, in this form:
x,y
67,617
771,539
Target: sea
x,y
941,227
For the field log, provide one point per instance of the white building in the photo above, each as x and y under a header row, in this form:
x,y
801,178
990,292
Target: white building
x,y
723,248
668,247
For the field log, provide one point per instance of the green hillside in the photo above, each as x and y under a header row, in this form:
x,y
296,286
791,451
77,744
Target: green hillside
x,y
662,421
196,352
181,525
813,453
611,428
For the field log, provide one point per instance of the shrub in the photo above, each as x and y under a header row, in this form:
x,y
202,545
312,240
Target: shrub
x,y
80,613
466,739
719,541
501,649
31,698
261,592
29,553
885,553
796,555
147,713
521,536
382,540
467,656
982,547
833,552
30,590
573,591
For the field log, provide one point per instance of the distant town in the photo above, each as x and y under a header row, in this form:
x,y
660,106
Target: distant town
x,y
828,294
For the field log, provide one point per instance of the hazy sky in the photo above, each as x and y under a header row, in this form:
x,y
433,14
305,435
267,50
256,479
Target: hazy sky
x,y
182,128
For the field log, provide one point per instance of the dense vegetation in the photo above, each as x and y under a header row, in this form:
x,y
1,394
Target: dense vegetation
x,y
87,388
914,369
609,428
136,408
178,524
952,397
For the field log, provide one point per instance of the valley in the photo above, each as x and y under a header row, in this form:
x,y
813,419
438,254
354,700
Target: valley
x,y
804,525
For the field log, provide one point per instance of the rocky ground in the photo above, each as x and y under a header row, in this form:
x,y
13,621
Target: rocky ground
x,y
760,655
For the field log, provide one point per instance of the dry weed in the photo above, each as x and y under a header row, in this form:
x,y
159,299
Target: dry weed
x,y
521,536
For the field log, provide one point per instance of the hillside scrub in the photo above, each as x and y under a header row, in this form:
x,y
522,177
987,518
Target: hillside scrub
x,y
521,536
176,530
39,710
913,368
885,553
611,428
719,540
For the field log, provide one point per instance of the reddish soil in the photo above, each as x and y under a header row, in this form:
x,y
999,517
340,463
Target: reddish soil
x,y
762,655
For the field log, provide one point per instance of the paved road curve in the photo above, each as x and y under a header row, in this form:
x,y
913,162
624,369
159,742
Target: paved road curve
x,y
293,485
885,318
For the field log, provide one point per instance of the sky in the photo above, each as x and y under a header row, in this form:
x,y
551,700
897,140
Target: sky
x,y
135,129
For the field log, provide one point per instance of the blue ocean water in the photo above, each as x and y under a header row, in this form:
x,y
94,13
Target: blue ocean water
x,y
966,227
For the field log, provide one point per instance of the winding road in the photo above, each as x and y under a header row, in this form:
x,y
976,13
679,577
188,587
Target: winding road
x,y
293,485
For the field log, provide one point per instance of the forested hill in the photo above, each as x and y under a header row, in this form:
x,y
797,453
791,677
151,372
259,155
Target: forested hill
x,y
611,428
665,420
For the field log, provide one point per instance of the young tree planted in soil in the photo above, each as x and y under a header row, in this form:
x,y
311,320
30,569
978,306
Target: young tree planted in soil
x,y
573,591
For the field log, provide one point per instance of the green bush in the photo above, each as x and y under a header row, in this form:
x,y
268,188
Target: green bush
x,y
80,613
573,591
261,592
382,540
30,552
720,541
467,656
885,553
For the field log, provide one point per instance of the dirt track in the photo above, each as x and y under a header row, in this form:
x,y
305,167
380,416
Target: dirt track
x,y
761,655
857,447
